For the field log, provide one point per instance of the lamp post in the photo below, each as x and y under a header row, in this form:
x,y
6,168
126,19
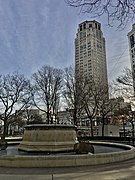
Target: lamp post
x,y
132,123
123,126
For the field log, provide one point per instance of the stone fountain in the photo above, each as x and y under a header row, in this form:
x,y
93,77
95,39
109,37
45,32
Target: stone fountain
x,y
56,140
48,138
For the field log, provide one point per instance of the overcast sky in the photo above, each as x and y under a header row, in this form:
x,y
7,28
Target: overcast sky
x,y
34,33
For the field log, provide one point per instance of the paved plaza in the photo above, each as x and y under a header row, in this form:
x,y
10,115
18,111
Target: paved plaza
x,y
116,171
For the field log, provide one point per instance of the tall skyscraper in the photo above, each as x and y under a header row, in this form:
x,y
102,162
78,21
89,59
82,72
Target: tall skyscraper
x,y
131,39
90,52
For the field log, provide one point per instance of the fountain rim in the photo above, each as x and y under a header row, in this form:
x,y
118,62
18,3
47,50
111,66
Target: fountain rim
x,y
69,160
49,126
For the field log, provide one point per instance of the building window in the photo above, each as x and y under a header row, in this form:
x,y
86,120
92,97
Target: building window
x,y
80,27
132,41
90,25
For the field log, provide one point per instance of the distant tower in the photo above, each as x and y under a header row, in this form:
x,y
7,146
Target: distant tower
x,y
90,52
131,39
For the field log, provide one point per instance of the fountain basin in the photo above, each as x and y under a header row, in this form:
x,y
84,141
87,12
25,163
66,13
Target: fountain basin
x,y
54,140
48,138
69,160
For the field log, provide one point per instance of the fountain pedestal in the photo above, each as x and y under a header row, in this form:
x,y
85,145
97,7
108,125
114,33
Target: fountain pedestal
x,y
48,138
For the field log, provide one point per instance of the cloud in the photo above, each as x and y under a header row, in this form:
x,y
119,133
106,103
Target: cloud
x,y
38,32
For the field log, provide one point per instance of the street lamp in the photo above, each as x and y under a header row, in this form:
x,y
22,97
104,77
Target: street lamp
x,y
123,125
132,123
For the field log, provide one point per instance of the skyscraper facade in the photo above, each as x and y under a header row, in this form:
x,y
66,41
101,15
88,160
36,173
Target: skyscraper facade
x,y
131,39
90,52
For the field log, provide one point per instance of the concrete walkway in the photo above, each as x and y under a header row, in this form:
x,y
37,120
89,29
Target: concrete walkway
x,y
109,175
116,171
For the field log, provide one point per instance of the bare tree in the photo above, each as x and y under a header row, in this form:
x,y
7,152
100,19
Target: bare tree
x,y
125,114
29,114
72,92
125,85
47,90
106,105
16,124
116,10
131,119
36,119
90,101
126,78
14,95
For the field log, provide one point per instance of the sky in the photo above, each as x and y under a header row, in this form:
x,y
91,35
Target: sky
x,y
34,33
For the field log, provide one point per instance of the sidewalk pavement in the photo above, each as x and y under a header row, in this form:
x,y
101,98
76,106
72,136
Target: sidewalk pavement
x,y
122,171
116,171
122,174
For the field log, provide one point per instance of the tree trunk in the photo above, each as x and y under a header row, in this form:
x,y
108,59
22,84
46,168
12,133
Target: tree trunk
x,y
103,126
74,115
132,123
91,127
7,130
3,142
4,130
48,117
